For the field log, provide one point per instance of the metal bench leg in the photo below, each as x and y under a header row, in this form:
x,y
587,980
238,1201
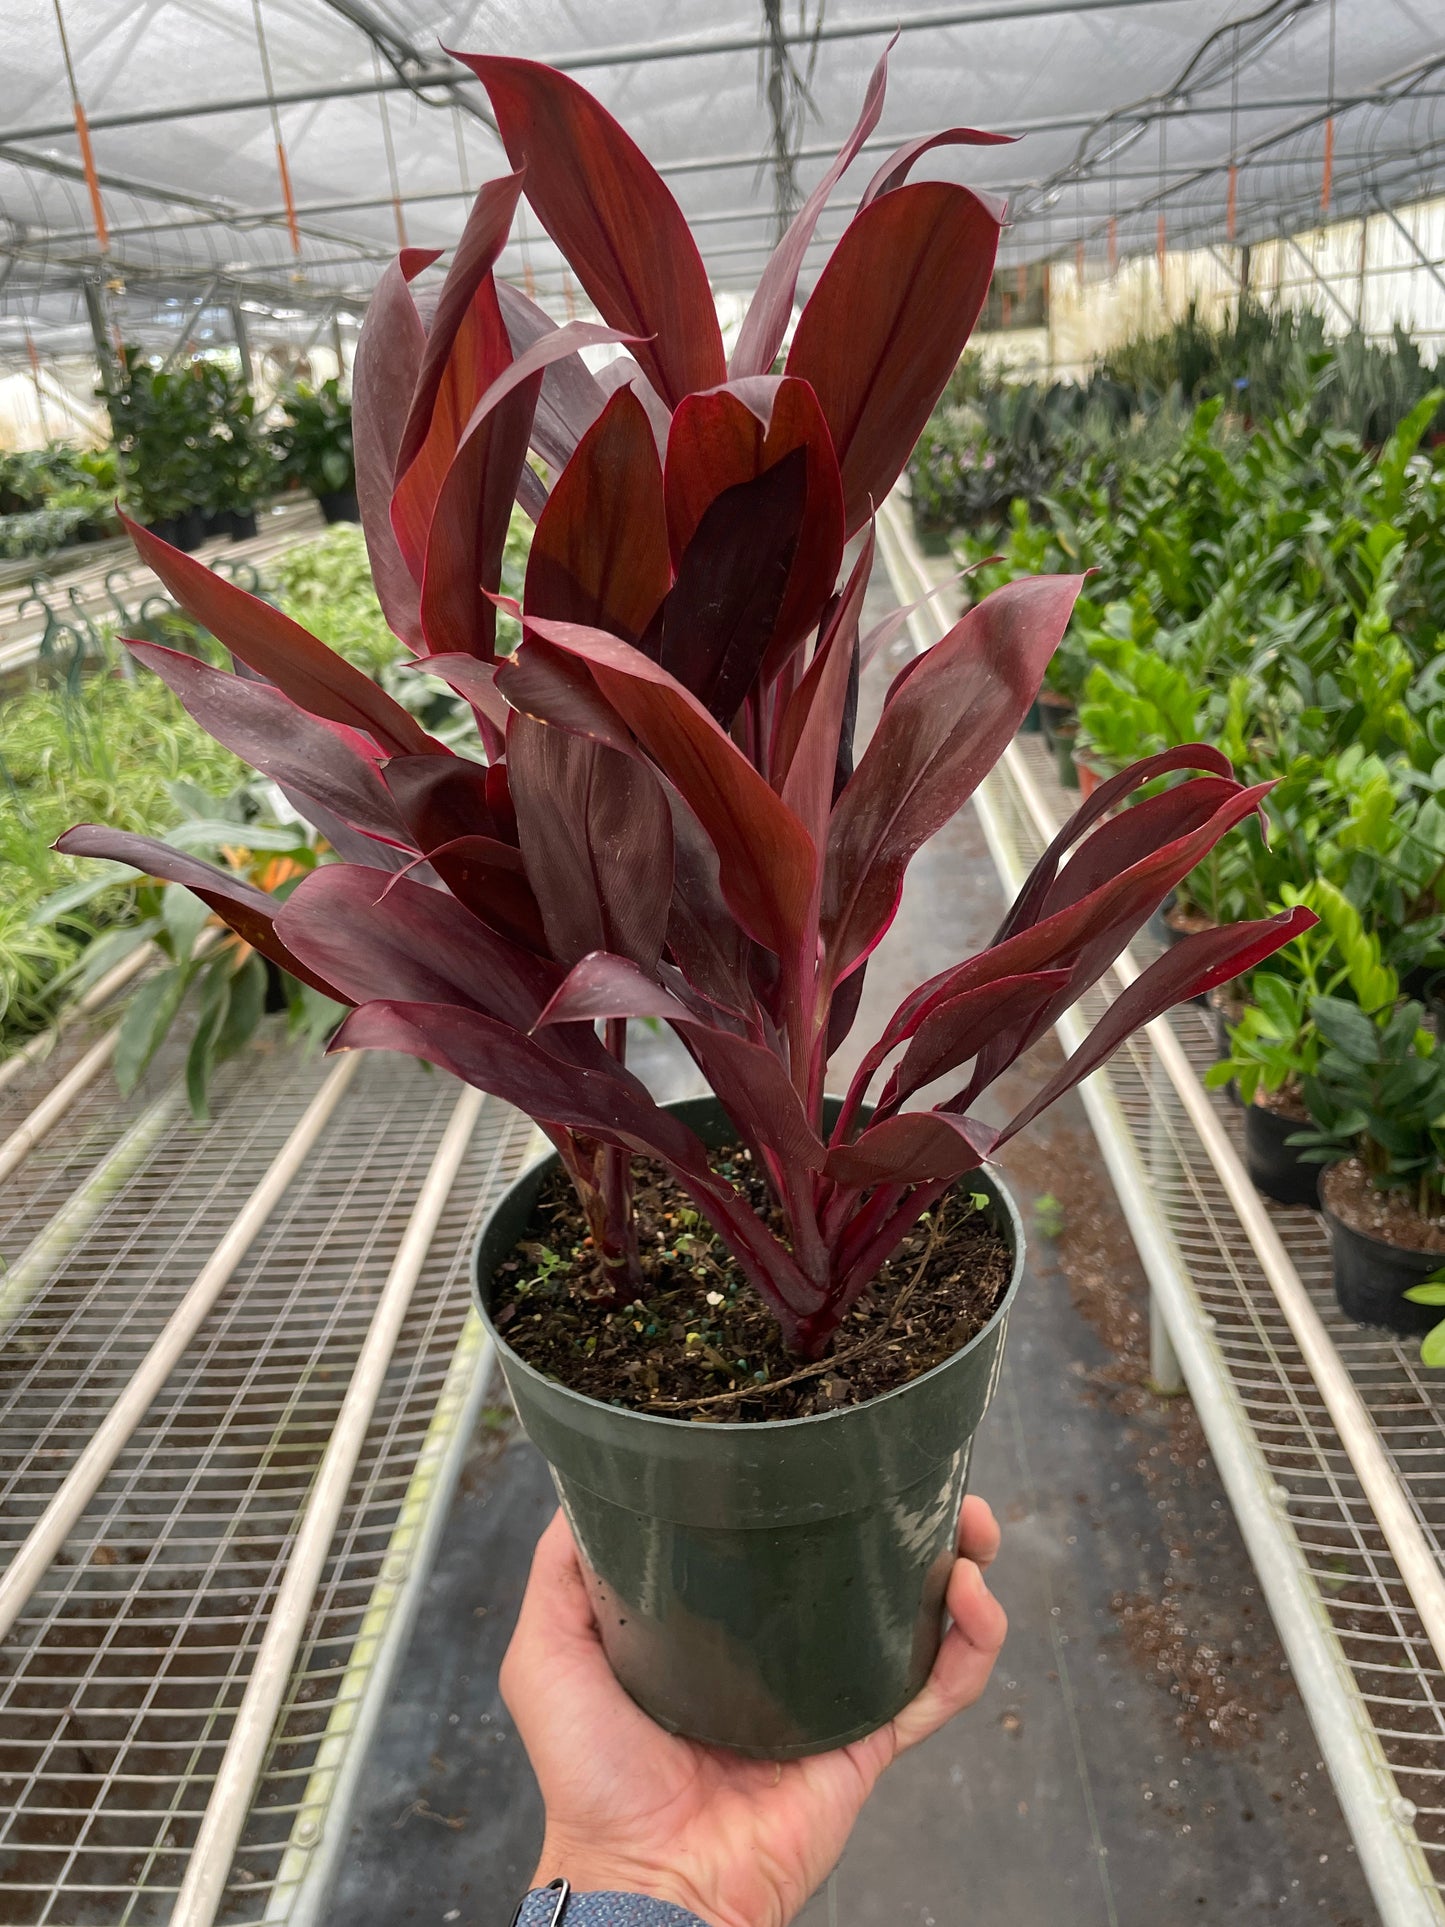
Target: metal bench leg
x,y
1165,1376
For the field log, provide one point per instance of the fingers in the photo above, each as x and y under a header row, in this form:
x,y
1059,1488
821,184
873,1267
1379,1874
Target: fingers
x,y
978,1533
965,1659
556,1614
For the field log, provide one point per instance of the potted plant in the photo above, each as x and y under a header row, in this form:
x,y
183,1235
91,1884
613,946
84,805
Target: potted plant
x,y
1274,1045
1377,1096
314,445
754,1335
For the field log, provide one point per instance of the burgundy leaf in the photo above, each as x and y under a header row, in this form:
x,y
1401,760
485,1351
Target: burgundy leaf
x,y
381,936
599,555
767,862
954,1032
596,835
250,912
917,1148
383,378
474,681
1188,969
466,526
940,733
1107,796
899,164
813,724
735,434
750,1082
571,398
771,307
267,730
553,687
612,217
490,878
438,387
440,797
885,326
279,649
722,614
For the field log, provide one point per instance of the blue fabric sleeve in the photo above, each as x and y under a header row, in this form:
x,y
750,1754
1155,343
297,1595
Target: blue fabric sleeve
x,y
604,1910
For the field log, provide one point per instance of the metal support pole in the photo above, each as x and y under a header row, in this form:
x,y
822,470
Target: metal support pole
x,y
100,334
193,314
243,342
1432,268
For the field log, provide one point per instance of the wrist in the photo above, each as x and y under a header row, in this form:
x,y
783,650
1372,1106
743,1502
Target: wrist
x,y
592,1873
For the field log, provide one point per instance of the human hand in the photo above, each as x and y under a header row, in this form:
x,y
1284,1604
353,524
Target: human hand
x,y
633,1809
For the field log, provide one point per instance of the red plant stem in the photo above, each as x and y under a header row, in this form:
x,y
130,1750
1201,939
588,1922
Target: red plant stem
x,y
618,1248
884,1241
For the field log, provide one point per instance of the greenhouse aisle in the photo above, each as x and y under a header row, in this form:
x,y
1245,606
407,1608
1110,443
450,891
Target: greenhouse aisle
x,y
1140,1754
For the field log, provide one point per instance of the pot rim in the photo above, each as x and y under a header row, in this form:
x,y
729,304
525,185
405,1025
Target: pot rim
x,y
1003,1196
1336,1222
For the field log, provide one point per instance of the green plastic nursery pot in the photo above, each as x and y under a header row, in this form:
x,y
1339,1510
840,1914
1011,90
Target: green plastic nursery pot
x,y
773,1587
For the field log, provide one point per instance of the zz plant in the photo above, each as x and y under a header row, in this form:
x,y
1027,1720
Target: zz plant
x,y
666,818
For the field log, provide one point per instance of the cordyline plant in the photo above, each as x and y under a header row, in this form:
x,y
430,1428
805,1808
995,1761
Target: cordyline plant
x,y
669,822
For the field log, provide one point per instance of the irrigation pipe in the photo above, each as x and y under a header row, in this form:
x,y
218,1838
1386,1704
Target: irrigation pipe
x,y
1348,1412
226,1811
48,1535
100,992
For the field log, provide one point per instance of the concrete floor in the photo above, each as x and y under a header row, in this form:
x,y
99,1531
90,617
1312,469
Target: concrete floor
x,y
1140,1757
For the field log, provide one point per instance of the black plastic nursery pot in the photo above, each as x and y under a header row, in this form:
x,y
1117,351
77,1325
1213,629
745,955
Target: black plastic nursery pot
x,y
339,505
1063,747
1372,1277
1274,1164
1054,710
774,1587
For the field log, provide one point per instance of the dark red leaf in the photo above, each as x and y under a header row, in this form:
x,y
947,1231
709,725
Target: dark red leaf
x,y
571,398
250,912
916,1148
466,531
722,614
813,723
612,217
383,378
734,434
474,681
954,1032
885,326
771,307
940,733
767,862
1027,905
490,878
279,649
440,797
596,835
599,555
440,389
553,687
381,936
899,164
317,759
1188,969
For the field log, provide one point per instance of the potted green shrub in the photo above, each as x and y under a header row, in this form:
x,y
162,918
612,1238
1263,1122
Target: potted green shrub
x,y
313,443
1377,1096
1274,1045
754,1335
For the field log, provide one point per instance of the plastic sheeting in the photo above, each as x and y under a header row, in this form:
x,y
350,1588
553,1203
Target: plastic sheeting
x,y
1130,111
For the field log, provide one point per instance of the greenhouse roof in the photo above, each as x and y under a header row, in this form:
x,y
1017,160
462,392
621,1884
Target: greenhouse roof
x,y
1129,111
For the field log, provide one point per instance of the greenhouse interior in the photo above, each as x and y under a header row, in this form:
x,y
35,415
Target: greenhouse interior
x,y
722,963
